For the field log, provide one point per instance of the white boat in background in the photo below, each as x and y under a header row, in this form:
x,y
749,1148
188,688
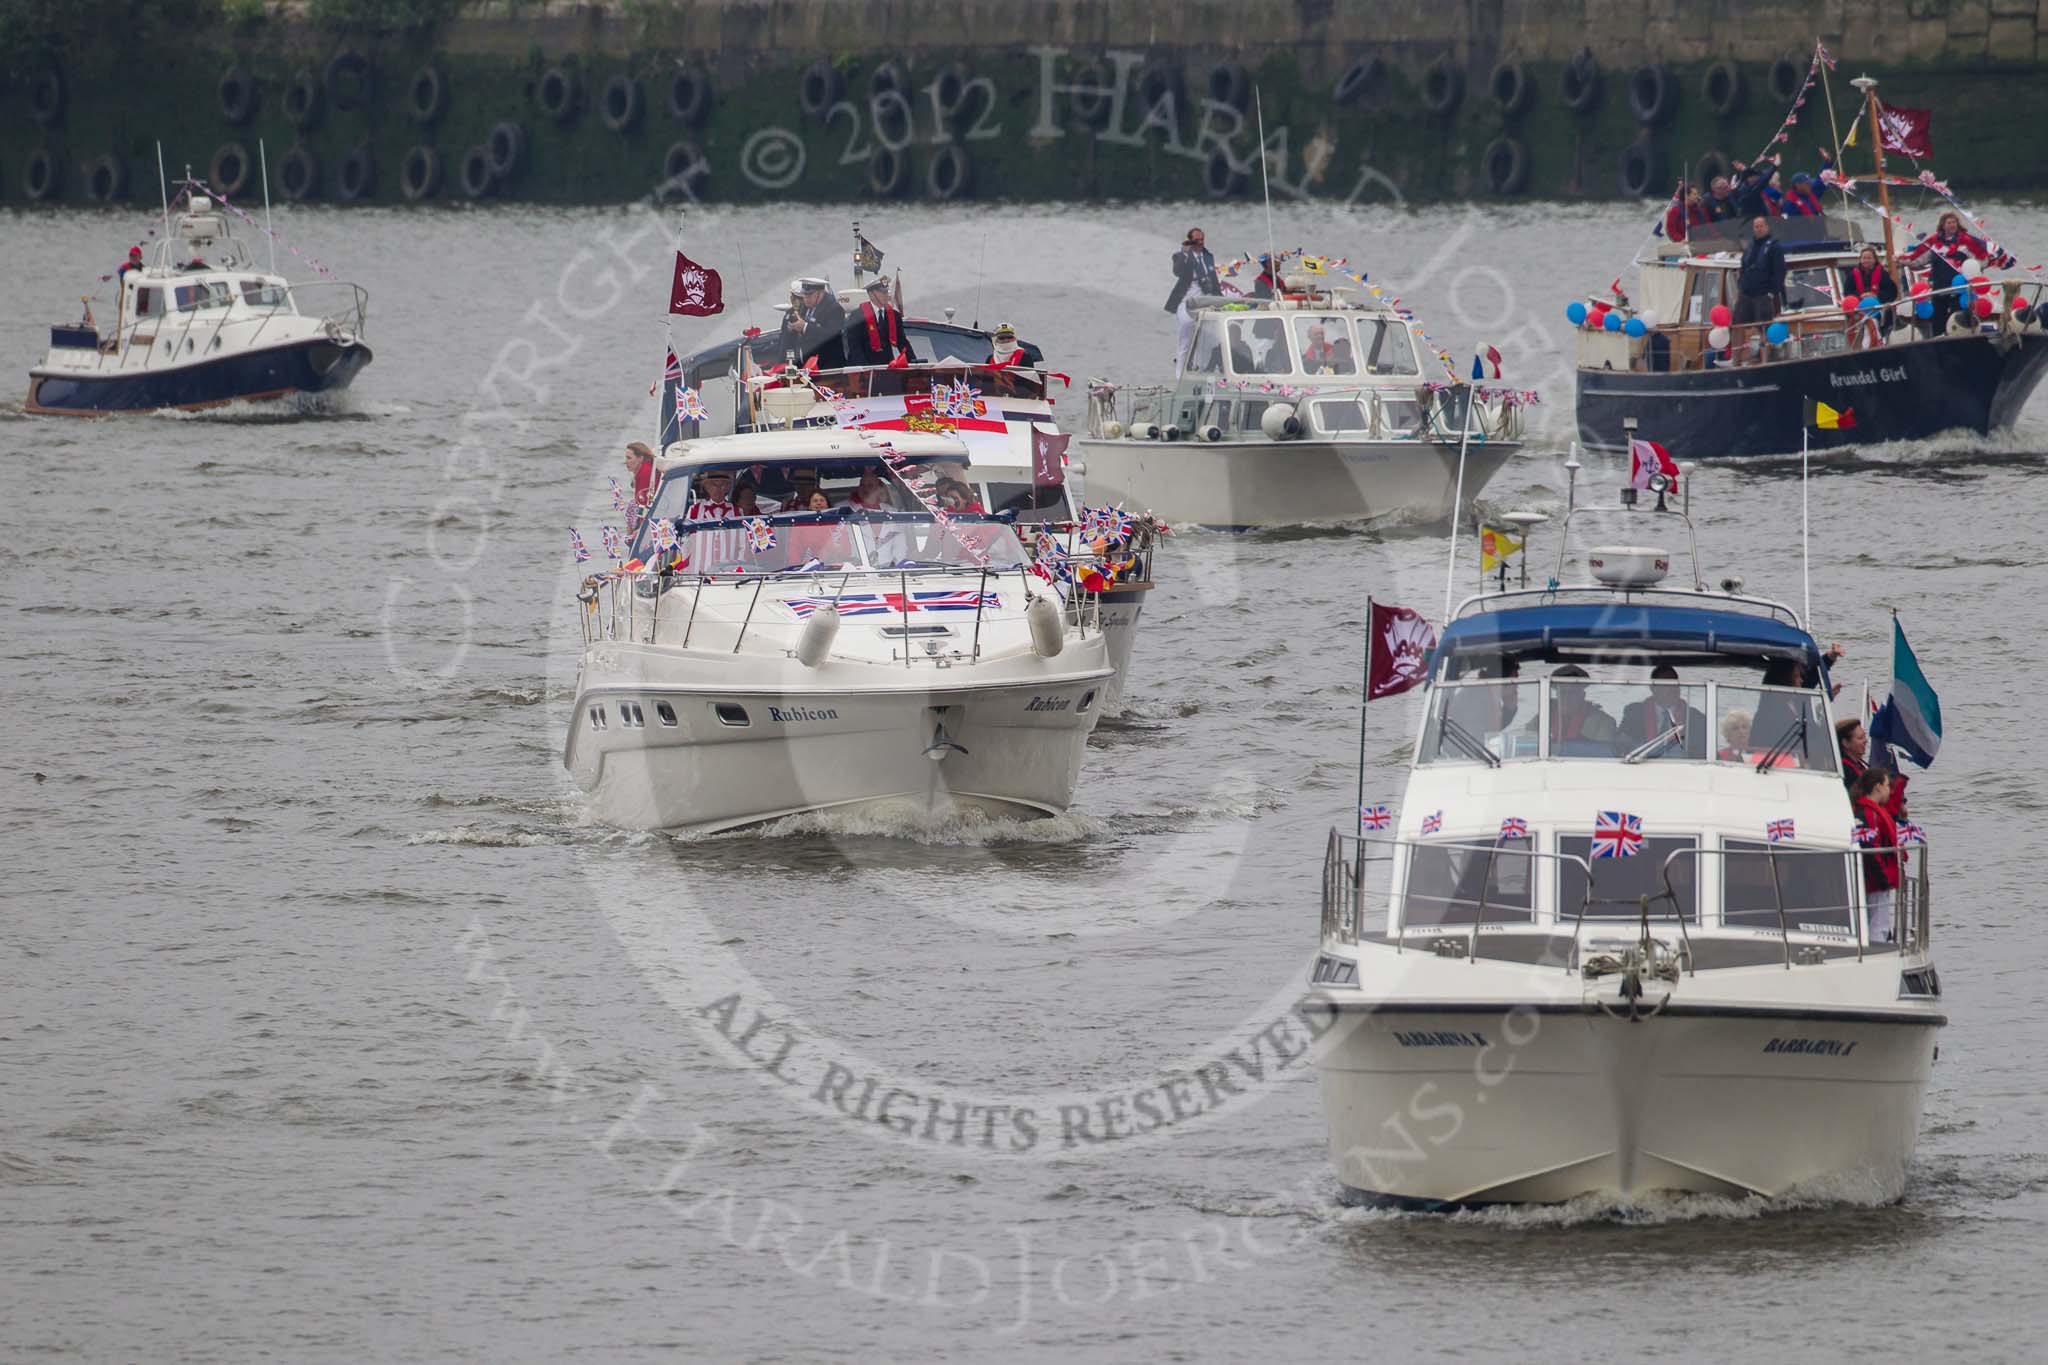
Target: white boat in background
x,y
1624,955
1311,408
201,325
803,661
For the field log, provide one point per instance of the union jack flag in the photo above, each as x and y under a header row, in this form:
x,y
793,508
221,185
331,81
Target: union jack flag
x,y
1514,827
618,497
957,399
891,603
1865,835
1910,833
1779,831
613,546
665,534
1617,834
1374,817
673,371
689,406
576,545
760,534
1433,823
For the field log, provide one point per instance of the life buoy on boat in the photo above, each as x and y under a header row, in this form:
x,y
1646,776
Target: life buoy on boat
x,y
302,102
229,172
1652,93
1512,89
426,97
689,96
622,103
556,94
951,173
1721,88
419,175
237,94
298,175
1443,86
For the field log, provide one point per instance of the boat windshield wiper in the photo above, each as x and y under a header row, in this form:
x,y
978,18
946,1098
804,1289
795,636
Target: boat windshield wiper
x,y
1469,742
1795,733
1656,745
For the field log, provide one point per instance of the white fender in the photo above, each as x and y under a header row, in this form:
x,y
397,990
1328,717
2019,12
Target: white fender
x,y
1048,631
1279,422
1169,432
816,641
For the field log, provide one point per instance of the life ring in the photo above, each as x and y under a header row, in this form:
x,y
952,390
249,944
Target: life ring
x,y
505,148
1787,75
1222,177
820,88
556,93
46,97
1641,169
1160,83
1092,95
302,102
357,176
298,175
1443,86
622,103
426,98
1652,93
106,179
689,96
419,175
349,80
1505,166
1230,85
237,94
1364,77
1512,89
1709,167
951,89
1578,85
477,180
951,173
1722,89
886,79
229,172
684,170
41,176
887,170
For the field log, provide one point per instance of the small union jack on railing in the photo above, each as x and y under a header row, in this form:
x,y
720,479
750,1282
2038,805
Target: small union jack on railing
x,y
1433,823
1374,817
1779,831
1617,834
1514,827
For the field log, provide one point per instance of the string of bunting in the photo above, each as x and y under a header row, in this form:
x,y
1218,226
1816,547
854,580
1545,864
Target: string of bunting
x,y
916,482
1514,398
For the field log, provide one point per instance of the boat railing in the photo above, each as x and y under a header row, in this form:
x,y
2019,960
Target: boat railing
x,y
1345,907
1405,409
341,306
1911,918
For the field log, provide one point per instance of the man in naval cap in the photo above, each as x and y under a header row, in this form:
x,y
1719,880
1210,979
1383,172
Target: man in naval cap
x,y
874,332
814,322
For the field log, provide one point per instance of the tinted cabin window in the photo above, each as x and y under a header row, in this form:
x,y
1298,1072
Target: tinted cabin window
x,y
1444,884
1619,882
145,303
1387,347
1815,888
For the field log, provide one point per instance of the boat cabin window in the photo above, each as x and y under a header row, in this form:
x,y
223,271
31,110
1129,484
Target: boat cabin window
x,y
1647,720
1809,287
1619,884
1386,347
1332,415
1205,353
1325,345
1469,885
262,294
1030,502
203,294
1480,716
1258,345
812,542
1400,415
1703,295
1757,877
145,303
1787,727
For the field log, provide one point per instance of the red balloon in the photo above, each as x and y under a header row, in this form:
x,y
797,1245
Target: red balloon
x,y
2020,305
1920,290
1719,315
1849,305
1984,308
1981,285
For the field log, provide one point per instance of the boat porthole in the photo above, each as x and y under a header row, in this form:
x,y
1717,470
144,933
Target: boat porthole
x,y
597,720
665,713
631,716
1087,701
729,713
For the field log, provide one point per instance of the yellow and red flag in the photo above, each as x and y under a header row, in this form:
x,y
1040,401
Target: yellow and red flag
x,y
1825,418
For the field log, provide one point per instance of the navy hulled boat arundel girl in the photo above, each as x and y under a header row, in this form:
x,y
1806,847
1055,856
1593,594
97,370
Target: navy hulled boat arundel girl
x,y
1726,340
200,326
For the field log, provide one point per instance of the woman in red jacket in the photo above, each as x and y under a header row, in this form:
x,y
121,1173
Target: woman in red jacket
x,y
1878,832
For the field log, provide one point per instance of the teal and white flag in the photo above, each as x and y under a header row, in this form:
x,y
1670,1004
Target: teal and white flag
x,y
1910,719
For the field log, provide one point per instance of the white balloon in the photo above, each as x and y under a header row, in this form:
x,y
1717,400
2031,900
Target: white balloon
x,y
1649,317
1718,338
1972,267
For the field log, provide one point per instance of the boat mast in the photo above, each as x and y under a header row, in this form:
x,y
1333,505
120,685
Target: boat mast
x,y
164,188
1884,191
263,159
1827,90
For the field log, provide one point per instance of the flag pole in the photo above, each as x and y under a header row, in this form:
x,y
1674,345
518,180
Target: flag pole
x,y
1805,549
1458,499
1364,700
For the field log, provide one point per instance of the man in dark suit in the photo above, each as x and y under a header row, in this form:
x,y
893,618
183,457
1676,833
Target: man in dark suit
x,y
1662,711
813,325
874,331
1194,272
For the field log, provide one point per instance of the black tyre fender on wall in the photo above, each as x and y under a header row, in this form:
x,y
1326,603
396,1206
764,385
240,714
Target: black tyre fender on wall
x,y
886,78
477,180
1652,93
350,81
426,97
1093,96
689,96
684,169
820,87
1160,81
622,103
1230,85
1504,166
419,175
46,97
1721,88
951,173
1640,170
888,169
951,90
237,94
1578,85
298,174
106,179
1707,168
505,149
1443,86
1787,75
356,177
1511,87
41,176
556,93
1362,78
1221,177
302,100
229,171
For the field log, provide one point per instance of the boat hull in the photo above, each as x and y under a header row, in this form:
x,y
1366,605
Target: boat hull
x,y
1121,607
1242,485
315,365
1453,1107
1897,393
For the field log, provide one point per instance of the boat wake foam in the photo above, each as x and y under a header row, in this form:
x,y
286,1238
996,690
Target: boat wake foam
x,y
946,826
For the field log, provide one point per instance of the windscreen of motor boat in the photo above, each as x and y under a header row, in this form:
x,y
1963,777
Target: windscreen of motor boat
x,y
838,540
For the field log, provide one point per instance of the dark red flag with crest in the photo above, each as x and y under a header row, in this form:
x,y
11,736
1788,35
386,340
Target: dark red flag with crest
x,y
1399,648
697,291
1906,131
1048,458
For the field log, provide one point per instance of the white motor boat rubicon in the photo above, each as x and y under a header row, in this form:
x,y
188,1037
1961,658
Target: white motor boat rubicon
x,y
1617,940
202,325
804,661
1002,415
1311,408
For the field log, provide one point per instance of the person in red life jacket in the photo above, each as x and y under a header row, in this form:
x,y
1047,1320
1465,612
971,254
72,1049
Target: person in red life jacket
x,y
1879,833
1801,201
1319,355
1868,277
1578,728
874,331
1854,742
134,262
640,464
1944,254
1269,284
1687,211
1006,352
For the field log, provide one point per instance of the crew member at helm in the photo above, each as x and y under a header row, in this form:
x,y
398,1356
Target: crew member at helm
x,y
1007,352
874,333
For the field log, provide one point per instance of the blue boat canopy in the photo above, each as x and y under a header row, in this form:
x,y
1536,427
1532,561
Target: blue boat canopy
x,y
1655,630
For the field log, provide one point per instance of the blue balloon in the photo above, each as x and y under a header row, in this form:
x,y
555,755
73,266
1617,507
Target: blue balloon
x,y
1924,308
1634,327
1777,334
1868,303
1960,281
1575,312
1612,322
